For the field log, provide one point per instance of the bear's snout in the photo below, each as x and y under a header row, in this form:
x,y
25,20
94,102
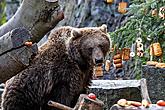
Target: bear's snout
x,y
99,61
98,57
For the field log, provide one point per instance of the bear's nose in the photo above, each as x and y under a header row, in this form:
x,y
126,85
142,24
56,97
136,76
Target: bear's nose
x,y
99,61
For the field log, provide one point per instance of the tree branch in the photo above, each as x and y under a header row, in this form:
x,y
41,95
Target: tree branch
x,y
37,16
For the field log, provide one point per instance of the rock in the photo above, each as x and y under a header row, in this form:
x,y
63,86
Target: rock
x,y
85,13
155,82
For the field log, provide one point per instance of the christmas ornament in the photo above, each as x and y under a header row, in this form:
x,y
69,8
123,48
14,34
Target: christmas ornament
x,y
156,49
107,65
154,12
132,54
149,38
162,12
109,1
138,40
98,71
126,54
122,7
139,46
117,60
140,53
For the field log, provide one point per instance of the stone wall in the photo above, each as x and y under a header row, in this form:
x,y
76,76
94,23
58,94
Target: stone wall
x,y
155,82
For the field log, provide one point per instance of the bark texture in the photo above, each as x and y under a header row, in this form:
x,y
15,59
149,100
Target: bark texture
x,y
37,16
14,54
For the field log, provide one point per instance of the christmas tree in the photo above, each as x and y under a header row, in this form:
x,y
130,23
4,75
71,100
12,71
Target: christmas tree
x,y
147,23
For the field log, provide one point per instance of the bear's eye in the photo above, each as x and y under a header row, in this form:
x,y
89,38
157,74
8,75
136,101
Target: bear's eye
x,y
90,50
101,46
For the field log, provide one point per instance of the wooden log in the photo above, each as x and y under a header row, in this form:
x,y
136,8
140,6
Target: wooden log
x,y
58,105
14,39
14,55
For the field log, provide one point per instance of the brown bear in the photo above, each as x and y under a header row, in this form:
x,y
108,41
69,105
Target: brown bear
x,y
60,72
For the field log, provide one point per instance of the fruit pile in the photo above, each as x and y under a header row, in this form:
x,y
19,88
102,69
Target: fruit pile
x,y
143,104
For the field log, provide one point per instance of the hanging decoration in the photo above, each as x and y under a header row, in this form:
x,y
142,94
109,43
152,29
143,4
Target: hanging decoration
x,y
122,7
109,1
162,12
132,54
117,60
98,71
126,54
154,12
139,40
139,45
107,65
155,49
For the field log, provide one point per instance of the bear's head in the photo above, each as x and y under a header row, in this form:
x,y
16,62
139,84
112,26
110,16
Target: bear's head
x,y
89,46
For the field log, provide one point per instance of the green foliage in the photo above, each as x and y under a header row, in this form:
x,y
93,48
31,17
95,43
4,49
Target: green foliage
x,y
141,24
2,13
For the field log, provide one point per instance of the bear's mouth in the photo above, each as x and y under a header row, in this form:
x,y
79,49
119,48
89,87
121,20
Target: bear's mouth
x,y
98,62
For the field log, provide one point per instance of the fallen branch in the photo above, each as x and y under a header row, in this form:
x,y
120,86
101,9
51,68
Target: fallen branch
x,y
58,105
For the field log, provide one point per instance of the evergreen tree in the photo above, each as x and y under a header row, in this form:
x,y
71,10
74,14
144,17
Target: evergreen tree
x,y
146,21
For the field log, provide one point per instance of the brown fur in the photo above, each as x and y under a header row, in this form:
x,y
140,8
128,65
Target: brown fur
x,y
60,72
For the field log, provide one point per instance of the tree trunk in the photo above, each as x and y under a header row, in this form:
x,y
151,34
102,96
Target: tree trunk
x,y
37,16
14,54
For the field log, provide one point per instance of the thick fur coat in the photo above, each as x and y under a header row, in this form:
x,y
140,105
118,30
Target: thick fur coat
x,y
60,72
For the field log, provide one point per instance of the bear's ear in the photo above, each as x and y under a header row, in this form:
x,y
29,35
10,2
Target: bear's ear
x,y
103,28
75,33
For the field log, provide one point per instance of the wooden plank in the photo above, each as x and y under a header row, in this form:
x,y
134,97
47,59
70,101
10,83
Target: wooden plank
x,y
114,84
144,90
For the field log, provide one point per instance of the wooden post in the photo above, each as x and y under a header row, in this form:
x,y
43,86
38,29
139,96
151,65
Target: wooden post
x,y
14,55
144,90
